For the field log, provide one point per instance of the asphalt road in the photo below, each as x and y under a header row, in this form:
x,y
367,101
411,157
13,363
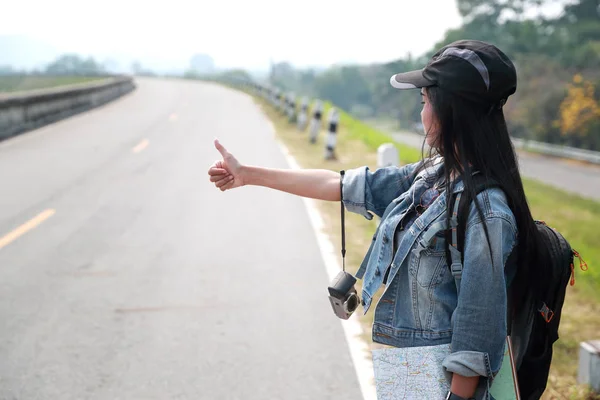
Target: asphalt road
x,y
124,274
572,176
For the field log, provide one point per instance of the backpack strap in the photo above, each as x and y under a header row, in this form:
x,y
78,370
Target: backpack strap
x,y
452,251
455,236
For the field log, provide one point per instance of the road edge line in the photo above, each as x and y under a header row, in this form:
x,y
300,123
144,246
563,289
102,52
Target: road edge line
x,y
352,328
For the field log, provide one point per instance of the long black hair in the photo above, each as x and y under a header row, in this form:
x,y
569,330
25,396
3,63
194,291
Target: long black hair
x,y
474,137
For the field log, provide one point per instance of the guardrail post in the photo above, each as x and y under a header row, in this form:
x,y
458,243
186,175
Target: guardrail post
x,y
315,123
276,99
333,119
286,104
303,113
292,109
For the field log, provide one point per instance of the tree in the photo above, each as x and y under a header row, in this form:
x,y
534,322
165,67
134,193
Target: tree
x,y
136,68
72,64
283,75
546,51
345,86
580,114
584,10
236,74
202,64
7,70
580,25
495,10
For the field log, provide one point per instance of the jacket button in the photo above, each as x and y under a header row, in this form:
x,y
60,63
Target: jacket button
x,y
385,239
377,273
363,302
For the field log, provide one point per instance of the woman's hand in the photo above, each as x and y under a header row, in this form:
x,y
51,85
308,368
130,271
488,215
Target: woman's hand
x,y
227,173
319,184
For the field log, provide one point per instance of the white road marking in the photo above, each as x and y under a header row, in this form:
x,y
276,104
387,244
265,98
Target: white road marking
x,y
359,350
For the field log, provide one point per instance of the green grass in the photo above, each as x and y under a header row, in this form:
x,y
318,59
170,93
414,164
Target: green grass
x,y
372,137
25,82
575,217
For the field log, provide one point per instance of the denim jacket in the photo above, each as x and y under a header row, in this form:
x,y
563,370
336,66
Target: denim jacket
x,y
421,304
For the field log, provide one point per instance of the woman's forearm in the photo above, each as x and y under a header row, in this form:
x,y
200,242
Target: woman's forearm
x,y
318,184
464,386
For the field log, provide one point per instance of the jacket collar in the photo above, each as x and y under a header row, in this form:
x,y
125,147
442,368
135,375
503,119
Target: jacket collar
x,y
435,169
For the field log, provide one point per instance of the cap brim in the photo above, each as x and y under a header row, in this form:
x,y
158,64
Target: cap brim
x,y
410,80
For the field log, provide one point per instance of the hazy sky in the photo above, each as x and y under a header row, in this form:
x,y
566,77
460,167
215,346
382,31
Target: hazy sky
x,y
245,33
236,33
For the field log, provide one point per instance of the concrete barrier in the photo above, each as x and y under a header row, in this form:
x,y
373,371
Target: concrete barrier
x,y
21,112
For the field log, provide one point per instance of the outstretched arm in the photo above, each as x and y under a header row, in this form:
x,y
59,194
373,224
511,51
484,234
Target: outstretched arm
x,y
229,173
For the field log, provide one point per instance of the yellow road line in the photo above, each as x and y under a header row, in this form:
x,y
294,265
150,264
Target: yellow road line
x,y
141,146
26,227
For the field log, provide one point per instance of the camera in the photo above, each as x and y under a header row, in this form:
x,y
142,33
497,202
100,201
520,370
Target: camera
x,y
342,295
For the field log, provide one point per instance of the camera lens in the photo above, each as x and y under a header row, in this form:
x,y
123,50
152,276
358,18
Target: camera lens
x,y
352,303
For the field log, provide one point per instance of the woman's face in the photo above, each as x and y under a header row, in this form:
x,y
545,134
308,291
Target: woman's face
x,y
429,120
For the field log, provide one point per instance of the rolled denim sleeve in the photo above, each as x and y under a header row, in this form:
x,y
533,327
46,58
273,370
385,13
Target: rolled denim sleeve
x,y
367,192
479,320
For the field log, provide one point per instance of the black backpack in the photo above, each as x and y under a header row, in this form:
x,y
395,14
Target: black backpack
x,y
535,326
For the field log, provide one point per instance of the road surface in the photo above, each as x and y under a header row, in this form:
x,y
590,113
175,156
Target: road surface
x,y
572,176
124,274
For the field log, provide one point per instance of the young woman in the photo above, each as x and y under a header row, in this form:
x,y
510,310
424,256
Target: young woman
x,y
464,87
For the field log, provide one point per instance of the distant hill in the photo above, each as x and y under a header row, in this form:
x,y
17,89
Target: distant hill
x,y
23,52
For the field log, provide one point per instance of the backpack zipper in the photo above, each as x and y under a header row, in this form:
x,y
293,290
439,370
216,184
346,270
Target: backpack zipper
x,y
582,265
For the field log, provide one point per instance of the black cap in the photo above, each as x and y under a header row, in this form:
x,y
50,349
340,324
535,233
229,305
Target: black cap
x,y
475,70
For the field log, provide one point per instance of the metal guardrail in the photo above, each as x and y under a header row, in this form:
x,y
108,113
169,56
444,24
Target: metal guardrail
x,y
558,151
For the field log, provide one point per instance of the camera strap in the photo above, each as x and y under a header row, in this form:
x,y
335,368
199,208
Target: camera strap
x,y
343,221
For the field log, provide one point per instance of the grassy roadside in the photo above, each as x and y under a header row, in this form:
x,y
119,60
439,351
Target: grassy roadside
x,y
10,84
575,217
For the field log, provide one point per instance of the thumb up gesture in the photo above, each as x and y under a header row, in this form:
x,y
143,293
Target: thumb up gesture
x,y
226,173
